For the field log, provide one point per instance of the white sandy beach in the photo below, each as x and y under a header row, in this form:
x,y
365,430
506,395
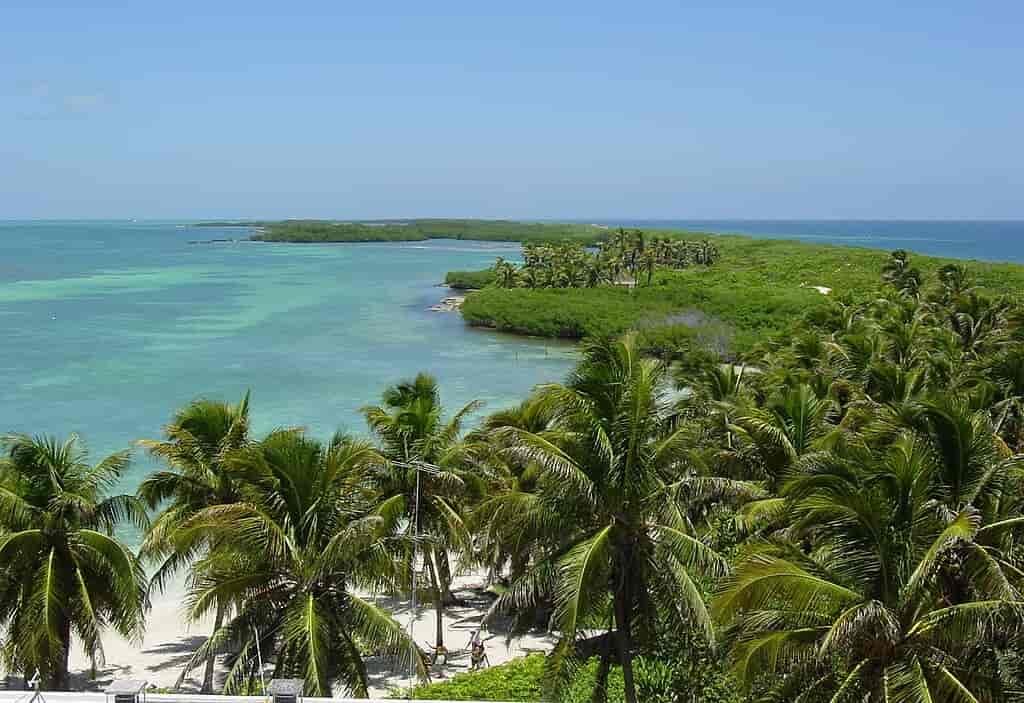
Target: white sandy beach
x,y
169,643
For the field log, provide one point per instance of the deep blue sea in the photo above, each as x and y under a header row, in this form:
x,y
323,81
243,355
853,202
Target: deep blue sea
x,y
107,327
991,240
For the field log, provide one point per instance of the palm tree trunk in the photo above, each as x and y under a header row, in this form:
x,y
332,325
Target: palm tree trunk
x,y
61,675
360,666
600,694
438,600
625,638
444,577
211,656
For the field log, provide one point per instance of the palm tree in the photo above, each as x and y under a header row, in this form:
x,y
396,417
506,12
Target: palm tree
x,y
954,281
614,489
887,599
1006,372
898,272
649,261
63,573
706,253
286,560
715,391
505,273
895,570
512,488
196,445
414,434
529,277
769,441
596,272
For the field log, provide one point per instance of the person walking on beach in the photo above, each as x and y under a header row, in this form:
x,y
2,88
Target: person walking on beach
x,y
477,652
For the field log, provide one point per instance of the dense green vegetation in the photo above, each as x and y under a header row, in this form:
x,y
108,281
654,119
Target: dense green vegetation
x,y
841,522
624,258
754,291
668,678
517,680
469,280
308,231
313,231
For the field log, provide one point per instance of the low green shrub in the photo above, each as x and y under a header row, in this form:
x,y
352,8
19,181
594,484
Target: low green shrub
x,y
516,680
469,280
670,677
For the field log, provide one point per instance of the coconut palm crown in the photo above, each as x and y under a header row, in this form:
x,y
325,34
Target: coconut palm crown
x,y
616,483
288,559
196,446
63,572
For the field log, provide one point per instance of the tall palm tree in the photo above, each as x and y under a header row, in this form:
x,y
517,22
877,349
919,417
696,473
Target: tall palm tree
x,y
529,277
505,273
415,435
63,572
196,445
287,558
648,262
898,272
614,489
512,488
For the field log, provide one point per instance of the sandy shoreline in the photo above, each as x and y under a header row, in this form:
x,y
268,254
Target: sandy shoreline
x,y
169,643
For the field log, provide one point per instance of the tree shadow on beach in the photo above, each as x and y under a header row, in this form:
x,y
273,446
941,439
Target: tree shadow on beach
x,y
105,675
175,654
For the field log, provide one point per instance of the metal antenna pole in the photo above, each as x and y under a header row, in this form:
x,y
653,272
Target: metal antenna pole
x,y
259,659
412,602
418,467
34,683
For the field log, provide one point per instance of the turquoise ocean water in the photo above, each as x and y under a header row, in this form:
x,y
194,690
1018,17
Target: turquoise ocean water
x,y
106,328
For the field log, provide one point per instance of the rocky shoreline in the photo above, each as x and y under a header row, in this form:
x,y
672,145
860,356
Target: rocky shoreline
x,y
451,303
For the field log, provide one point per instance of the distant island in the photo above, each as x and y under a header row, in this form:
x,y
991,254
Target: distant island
x,y
326,231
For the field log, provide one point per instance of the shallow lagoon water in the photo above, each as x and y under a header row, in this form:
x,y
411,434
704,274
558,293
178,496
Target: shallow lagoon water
x,y
108,327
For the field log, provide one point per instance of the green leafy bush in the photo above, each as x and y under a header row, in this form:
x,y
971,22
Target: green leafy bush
x,y
678,677
469,280
516,680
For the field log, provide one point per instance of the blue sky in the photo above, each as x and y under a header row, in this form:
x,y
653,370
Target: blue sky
x,y
536,110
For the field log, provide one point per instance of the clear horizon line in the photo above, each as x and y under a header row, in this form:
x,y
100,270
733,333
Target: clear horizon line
x,y
574,220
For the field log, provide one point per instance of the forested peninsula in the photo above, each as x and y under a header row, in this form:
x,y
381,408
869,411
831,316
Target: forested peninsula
x,y
751,294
